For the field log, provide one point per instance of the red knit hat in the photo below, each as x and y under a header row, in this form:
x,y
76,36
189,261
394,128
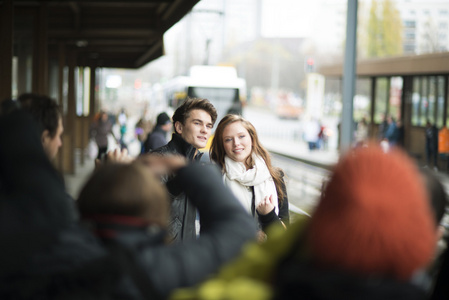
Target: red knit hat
x,y
374,216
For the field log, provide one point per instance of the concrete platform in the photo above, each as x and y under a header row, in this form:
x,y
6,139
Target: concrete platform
x,y
74,182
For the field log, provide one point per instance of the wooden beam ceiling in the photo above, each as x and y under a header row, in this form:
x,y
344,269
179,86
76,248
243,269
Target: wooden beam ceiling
x,y
117,33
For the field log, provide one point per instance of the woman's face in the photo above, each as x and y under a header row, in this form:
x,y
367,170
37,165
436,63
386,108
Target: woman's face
x,y
237,142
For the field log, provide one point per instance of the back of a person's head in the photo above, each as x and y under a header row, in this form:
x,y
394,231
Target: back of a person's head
x,y
44,110
126,190
374,216
437,194
162,119
183,112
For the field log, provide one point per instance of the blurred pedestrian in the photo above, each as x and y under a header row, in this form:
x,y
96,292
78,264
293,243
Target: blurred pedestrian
x,y
392,133
142,129
361,133
431,145
247,170
100,130
122,119
158,137
382,127
312,130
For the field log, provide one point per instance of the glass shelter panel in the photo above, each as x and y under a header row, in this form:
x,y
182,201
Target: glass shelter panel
x,y
415,101
394,103
431,115
440,101
362,102
424,104
380,108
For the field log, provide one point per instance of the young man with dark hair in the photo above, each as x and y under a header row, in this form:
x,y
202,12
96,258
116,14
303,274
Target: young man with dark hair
x,y
193,122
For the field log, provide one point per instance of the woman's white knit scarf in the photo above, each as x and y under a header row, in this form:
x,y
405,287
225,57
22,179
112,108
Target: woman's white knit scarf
x,y
237,178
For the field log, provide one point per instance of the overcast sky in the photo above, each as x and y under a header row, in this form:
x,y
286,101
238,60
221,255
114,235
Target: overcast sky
x,y
289,18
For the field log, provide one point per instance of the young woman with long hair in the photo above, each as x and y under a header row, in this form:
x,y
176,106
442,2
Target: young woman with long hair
x,y
247,170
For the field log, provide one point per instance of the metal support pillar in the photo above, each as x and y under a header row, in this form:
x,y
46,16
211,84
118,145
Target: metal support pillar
x,y
349,74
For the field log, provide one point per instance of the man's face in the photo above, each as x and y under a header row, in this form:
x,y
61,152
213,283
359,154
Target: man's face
x,y
51,144
197,128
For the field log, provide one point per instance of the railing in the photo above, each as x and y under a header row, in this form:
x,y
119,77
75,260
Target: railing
x,y
304,179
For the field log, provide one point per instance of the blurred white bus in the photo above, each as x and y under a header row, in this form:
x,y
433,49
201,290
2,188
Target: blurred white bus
x,y
219,84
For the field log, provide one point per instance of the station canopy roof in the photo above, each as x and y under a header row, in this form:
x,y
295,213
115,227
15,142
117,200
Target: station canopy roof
x,y
112,34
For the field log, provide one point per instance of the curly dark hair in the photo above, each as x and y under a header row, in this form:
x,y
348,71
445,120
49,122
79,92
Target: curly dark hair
x,y
182,113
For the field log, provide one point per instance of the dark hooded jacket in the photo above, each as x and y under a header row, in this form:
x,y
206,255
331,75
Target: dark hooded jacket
x,y
225,228
44,253
183,212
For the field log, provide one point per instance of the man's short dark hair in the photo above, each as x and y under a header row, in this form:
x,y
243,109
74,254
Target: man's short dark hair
x,y
44,110
183,112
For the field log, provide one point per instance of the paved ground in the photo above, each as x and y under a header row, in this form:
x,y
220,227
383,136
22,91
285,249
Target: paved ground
x,y
74,182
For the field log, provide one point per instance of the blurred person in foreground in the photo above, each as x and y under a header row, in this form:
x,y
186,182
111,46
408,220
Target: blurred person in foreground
x,y
127,205
247,171
438,270
193,122
370,236
47,114
45,254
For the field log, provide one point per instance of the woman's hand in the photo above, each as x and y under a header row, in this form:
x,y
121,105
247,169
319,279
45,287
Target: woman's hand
x,y
265,206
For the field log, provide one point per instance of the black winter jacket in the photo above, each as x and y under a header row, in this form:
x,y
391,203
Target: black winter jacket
x,y
183,212
44,253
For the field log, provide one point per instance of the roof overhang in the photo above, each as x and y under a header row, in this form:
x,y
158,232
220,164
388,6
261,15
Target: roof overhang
x,y
435,63
113,34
